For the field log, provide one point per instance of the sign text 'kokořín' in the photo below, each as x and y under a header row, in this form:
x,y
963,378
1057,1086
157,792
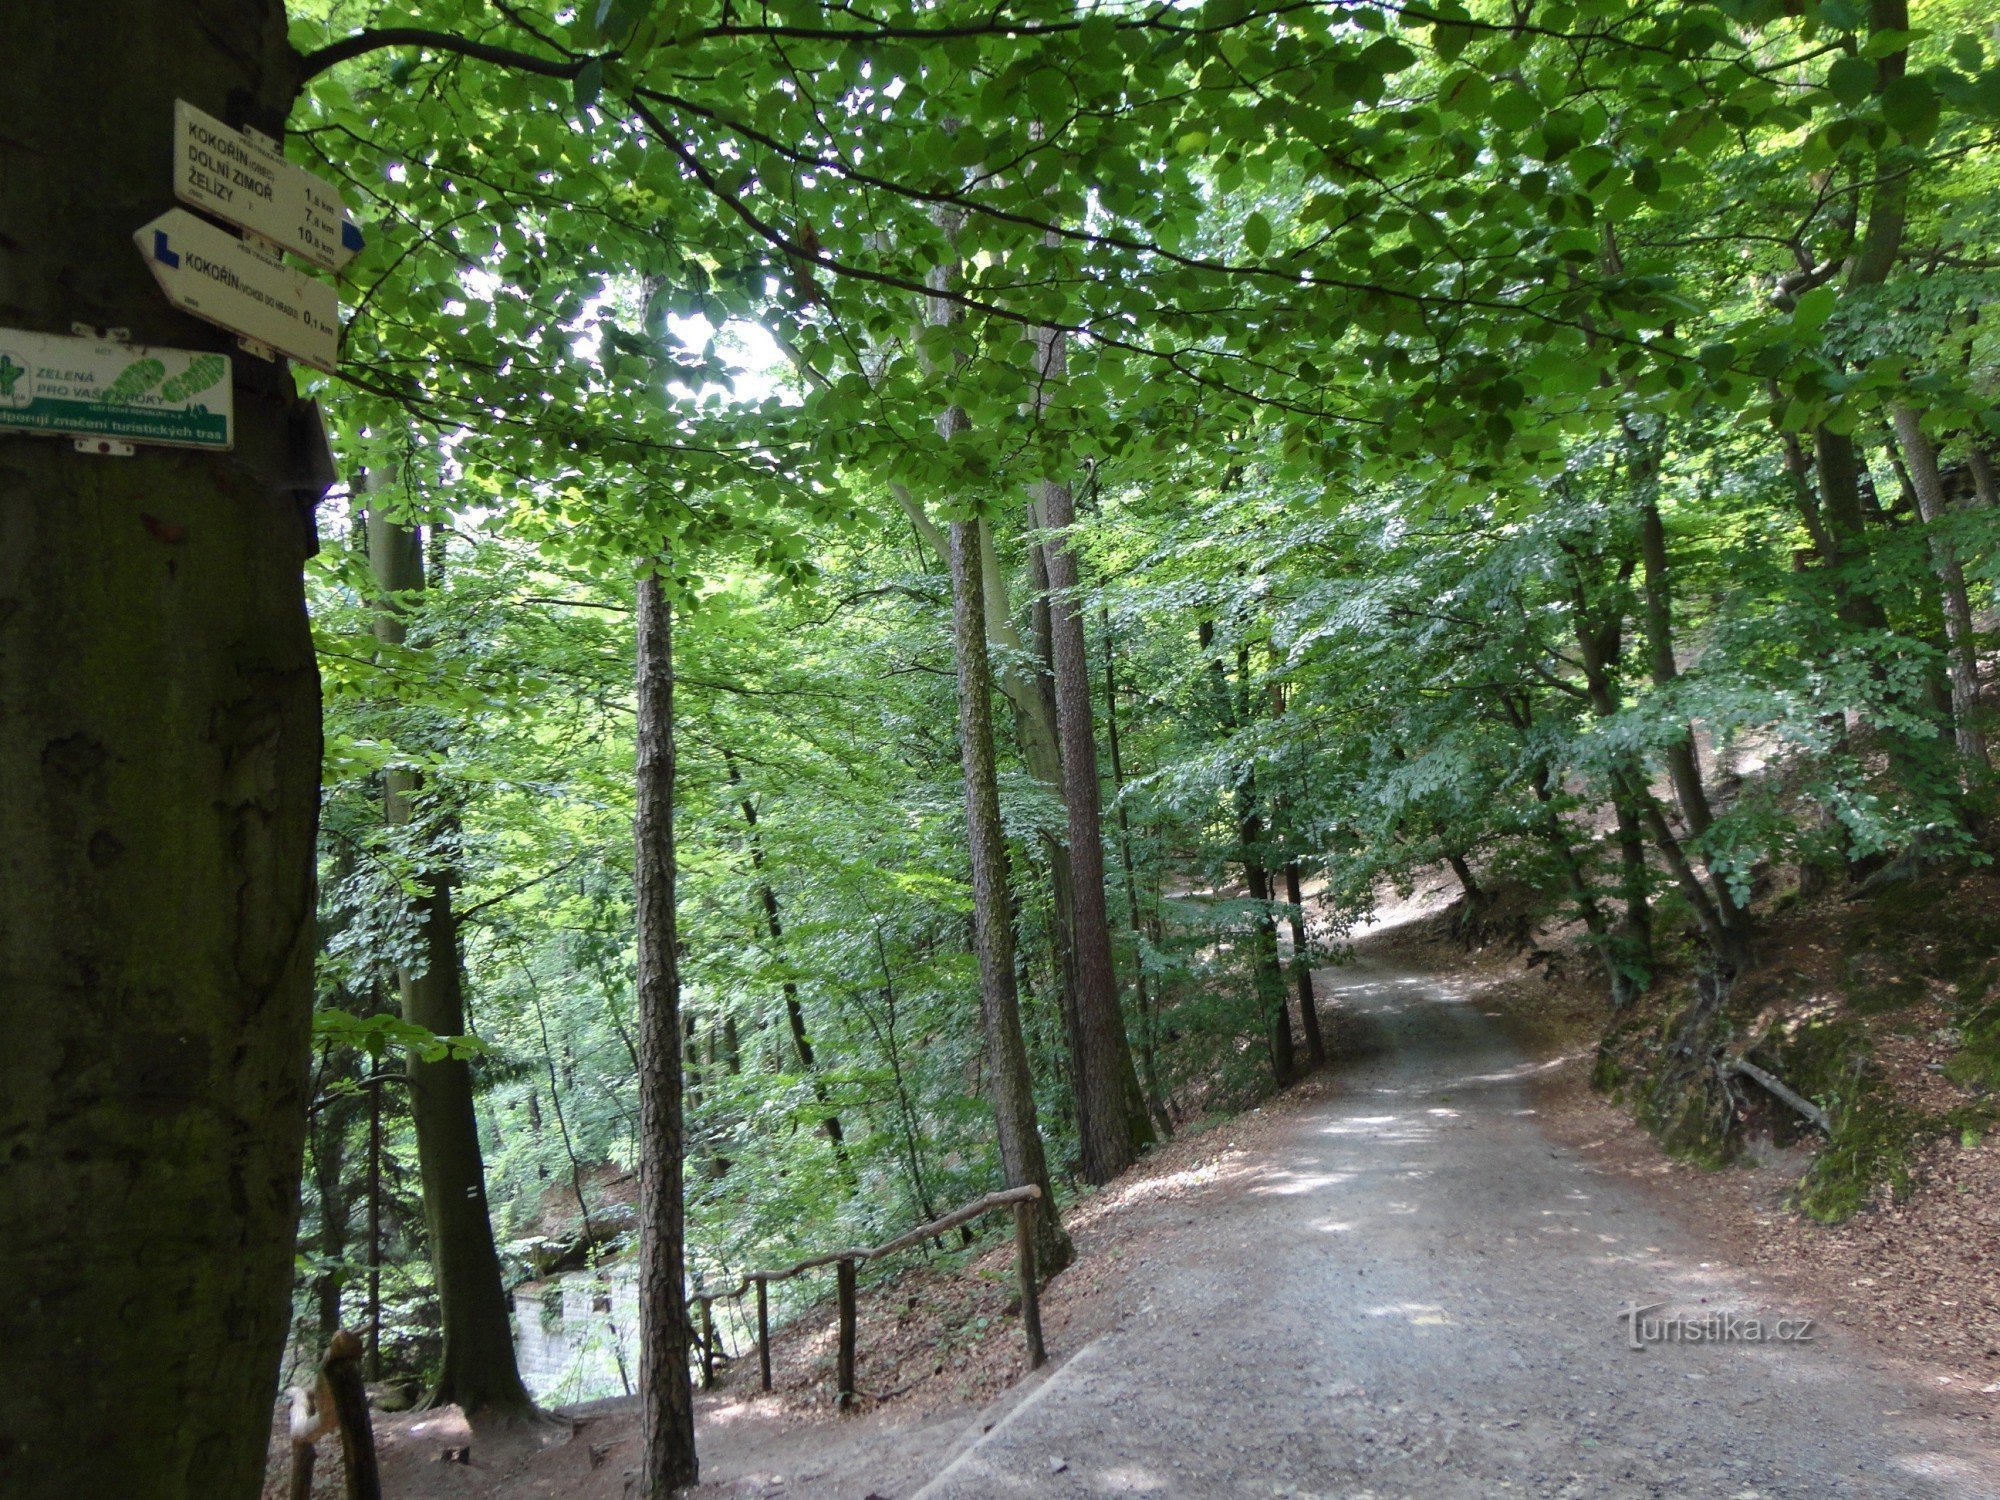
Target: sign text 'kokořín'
x,y
209,272
241,180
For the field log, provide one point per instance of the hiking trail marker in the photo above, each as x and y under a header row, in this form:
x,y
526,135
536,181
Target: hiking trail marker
x,y
109,395
211,273
243,179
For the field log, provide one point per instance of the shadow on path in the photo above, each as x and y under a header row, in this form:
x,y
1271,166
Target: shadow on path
x,y
1411,1292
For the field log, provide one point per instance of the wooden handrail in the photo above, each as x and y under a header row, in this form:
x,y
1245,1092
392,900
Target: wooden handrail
x,y
1023,1200
952,1220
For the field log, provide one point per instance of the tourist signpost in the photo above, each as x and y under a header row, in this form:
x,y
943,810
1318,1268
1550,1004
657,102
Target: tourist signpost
x,y
211,273
241,179
108,395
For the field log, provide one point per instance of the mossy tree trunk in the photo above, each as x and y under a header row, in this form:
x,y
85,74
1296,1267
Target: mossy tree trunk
x,y
159,749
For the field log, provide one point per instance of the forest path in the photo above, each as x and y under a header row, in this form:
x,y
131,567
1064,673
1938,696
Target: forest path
x,y
1410,1291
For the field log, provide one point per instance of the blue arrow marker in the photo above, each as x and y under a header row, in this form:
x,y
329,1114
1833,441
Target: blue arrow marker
x,y
161,253
350,237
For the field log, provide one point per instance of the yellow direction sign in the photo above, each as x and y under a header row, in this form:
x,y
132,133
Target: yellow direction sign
x,y
243,180
209,272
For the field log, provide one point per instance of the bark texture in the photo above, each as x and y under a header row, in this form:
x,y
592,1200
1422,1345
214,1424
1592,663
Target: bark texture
x,y
159,753
666,1394
1112,1122
1011,1088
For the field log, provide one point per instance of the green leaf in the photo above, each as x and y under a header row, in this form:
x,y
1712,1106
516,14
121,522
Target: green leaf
x,y
1465,93
1449,38
1813,309
588,84
1910,105
1851,80
1257,234
1887,43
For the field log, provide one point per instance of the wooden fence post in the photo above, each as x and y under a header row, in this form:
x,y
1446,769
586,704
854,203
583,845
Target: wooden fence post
x,y
763,1335
845,1368
1031,1301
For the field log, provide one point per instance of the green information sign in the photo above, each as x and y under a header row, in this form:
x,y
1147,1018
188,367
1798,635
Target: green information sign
x,y
61,386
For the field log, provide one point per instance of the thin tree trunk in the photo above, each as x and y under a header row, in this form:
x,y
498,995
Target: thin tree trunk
x,y
1267,978
1985,490
1302,977
1148,1041
1597,646
1030,691
1062,873
1836,460
795,1016
159,791
1520,716
1012,1094
1683,764
1467,882
1113,1125
1010,1087
1302,973
479,1371
374,1227
666,1393
1961,656
329,1157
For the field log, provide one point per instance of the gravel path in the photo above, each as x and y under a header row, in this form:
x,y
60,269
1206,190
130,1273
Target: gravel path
x,y
1413,1293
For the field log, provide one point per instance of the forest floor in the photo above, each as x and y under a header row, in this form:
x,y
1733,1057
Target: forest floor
x,y
1401,1277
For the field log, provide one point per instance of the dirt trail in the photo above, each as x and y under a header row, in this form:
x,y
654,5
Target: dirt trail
x,y
1412,1292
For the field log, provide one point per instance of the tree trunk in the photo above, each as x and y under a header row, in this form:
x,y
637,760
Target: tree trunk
x,y
1011,1089
1148,1049
1836,461
1961,656
1049,771
1112,1122
666,1394
374,1225
1302,972
1302,976
1022,1158
1267,977
1520,715
1598,646
329,1159
795,1016
479,1372
159,750
1683,765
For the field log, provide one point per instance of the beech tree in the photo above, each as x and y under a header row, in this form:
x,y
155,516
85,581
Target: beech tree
x,y
160,742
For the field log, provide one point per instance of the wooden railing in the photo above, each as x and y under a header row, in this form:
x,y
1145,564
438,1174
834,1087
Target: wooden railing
x,y
1023,1200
